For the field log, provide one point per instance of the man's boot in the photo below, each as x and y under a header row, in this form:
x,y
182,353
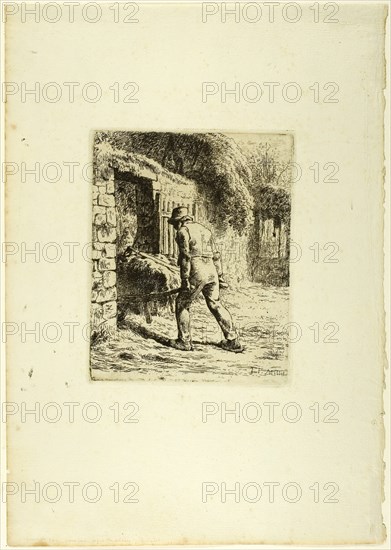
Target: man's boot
x,y
232,345
222,282
181,345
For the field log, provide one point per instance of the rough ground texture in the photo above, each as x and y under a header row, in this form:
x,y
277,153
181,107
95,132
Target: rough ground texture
x,y
140,351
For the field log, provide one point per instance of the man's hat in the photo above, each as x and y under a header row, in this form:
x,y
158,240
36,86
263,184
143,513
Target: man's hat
x,y
180,214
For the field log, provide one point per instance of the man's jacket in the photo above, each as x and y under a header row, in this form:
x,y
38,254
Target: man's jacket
x,y
195,241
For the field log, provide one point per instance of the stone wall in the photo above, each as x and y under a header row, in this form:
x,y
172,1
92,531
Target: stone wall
x,y
104,234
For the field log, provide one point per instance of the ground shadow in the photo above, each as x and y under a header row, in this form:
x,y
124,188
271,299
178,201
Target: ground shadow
x,y
145,332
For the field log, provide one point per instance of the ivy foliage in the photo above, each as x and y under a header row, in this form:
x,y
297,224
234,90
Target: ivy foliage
x,y
270,184
274,203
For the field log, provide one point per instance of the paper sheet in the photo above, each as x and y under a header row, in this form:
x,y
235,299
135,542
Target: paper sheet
x,y
128,458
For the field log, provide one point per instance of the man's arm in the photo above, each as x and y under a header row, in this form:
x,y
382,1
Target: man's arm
x,y
182,240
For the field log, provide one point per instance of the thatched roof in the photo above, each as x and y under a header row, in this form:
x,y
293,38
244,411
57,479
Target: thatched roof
x,y
107,156
212,160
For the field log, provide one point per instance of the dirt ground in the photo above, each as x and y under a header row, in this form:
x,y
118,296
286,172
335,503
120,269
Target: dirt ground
x,y
140,351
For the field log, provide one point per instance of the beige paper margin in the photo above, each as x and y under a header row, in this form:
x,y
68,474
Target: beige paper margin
x,y
386,267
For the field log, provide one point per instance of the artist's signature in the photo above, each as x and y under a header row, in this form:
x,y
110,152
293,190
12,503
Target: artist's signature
x,y
269,372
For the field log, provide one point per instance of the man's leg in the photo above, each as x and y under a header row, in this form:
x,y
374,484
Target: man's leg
x,y
182,312
219,268
222,315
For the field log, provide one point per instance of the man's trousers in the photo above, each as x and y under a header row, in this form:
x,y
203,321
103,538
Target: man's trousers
x,y
203,275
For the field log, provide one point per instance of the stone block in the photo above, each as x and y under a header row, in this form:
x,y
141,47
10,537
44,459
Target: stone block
x,y
96,276
111,216
96,254
100,219
107,235
111,323
98,210
111,250
106,264
96,308
109,310
106,295
99,246
109,278
96,314
95,192
106,200
110,187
